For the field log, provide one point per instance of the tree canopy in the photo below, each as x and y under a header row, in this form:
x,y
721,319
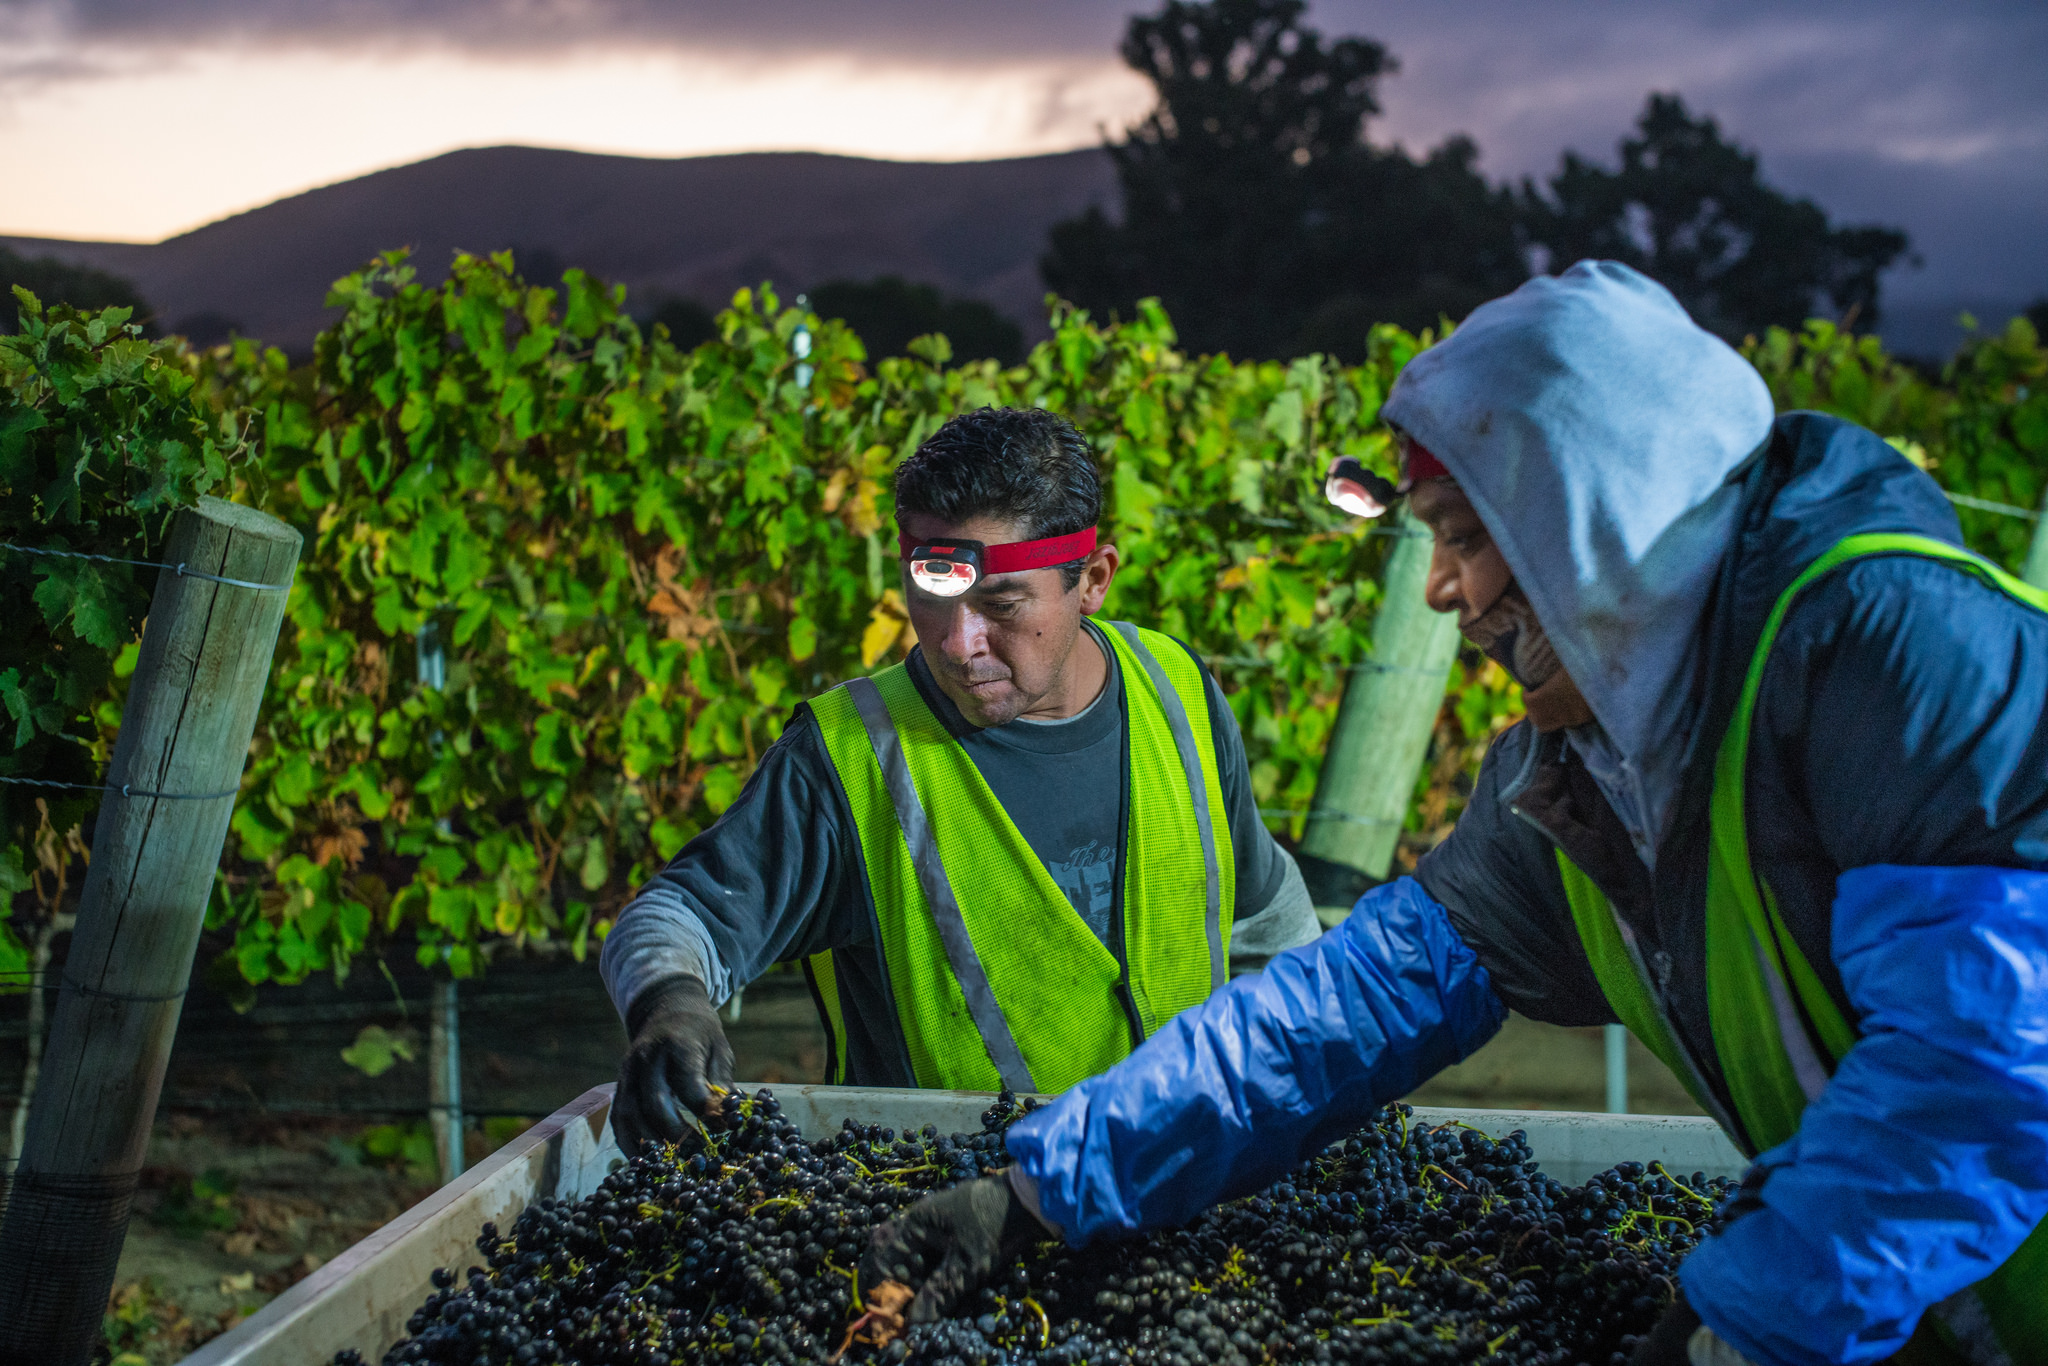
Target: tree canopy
x,y
58,282
888,313
1691,209
1257,211
1253,206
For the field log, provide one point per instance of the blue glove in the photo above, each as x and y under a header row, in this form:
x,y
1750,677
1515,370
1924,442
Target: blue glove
x,y
1229,1096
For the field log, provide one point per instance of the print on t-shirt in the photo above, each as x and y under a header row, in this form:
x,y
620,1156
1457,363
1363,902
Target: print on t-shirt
x,y
1086,879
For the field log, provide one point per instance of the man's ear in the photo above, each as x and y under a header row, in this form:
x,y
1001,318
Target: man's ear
x,y
1096,576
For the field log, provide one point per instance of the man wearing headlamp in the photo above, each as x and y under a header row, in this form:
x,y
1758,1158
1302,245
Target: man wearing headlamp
x,y
1780,805
1004,862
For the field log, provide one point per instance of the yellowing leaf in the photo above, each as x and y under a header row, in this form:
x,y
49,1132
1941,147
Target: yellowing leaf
x,y
887,624
860,514
835,489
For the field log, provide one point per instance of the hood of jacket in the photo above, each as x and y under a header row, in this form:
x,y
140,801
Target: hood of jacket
x,y
1595,429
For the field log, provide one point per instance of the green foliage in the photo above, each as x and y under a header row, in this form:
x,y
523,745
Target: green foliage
x,y
103,435
407,1147
136,1314
498,1130
565,581
1981,431
625,564
204,1204
377,1049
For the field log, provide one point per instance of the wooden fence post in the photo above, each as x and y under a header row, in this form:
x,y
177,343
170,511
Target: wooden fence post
x,y
1384,723
191,709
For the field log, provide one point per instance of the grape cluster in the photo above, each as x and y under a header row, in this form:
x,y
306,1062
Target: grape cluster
x,y
1400,1244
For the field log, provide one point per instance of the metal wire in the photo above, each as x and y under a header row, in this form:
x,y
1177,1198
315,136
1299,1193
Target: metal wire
x,y
179,569
1986,505
124,789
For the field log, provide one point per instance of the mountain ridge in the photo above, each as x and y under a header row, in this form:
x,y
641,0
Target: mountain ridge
x,y
693,227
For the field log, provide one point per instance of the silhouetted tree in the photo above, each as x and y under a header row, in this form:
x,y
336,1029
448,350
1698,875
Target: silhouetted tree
x,y
1690,209
1255,209
2037,314
889,312
689,323
538,265
207,328
59,282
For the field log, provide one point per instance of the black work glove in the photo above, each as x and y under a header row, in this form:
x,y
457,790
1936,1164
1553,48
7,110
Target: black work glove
x,y
1673,1340
947,1244
678,1053
1666,1345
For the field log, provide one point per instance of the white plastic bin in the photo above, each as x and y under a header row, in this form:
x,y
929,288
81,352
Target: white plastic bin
x,y
363,1297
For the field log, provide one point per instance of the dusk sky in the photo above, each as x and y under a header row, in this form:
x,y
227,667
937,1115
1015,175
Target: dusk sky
x,y
136,119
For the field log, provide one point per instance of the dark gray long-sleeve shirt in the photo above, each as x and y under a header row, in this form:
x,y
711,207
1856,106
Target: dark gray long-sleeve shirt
x,y
779,876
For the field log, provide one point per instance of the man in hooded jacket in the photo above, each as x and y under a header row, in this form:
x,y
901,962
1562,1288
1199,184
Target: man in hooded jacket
x,y
1780,805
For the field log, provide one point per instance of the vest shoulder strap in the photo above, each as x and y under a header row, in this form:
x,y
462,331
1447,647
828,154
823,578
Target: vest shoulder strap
x,y
1772,943
1176,680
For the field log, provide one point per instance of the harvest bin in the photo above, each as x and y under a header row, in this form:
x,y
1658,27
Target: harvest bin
x,y
362,1298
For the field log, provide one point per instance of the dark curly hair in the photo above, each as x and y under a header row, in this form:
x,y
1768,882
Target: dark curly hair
x,y
1020,464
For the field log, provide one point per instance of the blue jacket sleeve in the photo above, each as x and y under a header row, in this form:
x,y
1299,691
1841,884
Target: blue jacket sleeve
x,y
1232,1094
1924,1163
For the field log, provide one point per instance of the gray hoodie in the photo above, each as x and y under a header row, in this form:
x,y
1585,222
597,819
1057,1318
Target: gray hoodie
x,y
1594,426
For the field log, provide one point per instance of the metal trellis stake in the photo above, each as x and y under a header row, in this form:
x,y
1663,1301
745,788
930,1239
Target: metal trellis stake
x,y
444,1077
444,1016
2036,570
185,730
1384,722
1616,1039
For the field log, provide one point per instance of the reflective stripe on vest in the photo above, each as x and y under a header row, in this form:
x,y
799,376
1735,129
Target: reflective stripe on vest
x,y
1778,1033
994,978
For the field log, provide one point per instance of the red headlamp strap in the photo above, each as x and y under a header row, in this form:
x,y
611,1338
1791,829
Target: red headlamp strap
x,y
1422,465
1021,555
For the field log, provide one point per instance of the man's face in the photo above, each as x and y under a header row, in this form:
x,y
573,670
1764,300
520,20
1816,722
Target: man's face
x,y
1467,573
1001,650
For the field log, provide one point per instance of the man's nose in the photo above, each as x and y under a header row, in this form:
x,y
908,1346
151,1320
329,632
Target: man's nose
x,y
966,634
1442,589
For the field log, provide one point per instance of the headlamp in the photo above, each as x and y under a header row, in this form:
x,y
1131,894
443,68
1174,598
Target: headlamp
x,y
1356,489
947,569
1360,492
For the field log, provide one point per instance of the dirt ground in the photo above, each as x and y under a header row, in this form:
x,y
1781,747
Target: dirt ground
x,y
232,1211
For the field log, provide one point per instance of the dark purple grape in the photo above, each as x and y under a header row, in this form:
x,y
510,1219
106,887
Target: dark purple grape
x,y
1399,1244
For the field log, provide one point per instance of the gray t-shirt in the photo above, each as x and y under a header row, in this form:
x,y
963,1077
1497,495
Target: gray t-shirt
x,y
1062,784
779,876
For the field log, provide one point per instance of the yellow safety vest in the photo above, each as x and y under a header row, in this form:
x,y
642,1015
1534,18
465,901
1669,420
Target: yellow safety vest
x,y
995,980
1778,1034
